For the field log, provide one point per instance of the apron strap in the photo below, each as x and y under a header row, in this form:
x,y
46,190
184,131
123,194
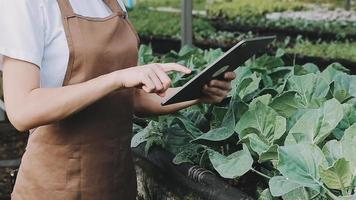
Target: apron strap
x,y
114,6
66,8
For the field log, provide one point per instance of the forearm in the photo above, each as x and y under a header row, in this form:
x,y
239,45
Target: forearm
x,y
29,106
43,106
150,104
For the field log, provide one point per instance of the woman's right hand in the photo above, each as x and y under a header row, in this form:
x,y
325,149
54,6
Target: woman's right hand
x,y
152,78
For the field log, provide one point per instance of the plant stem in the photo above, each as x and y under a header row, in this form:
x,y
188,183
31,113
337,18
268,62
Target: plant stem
x,y
329,193
343,190
260,173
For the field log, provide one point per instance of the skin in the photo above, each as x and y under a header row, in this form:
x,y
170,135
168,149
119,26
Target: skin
x,y
29,106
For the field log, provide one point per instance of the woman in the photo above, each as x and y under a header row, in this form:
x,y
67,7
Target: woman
x,y
73,80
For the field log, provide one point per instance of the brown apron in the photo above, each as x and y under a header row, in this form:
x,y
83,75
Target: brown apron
x,y
87,155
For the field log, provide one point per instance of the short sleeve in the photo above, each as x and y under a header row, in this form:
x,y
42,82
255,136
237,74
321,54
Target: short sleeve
x,y
22,30
122,5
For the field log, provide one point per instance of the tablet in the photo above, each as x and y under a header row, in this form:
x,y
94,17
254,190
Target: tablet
x,y
233,58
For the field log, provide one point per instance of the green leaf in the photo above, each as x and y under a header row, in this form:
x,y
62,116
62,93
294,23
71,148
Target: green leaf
x,y
348,119
212,55
344,87
310,88
197,117
350,197
279,77
311,68
232,115
298,194
241,74
232,166
299,163
218,114
256,144
182,157
186,51
215,135
332,71
145,55
185,123
265,99
270,154
190,154
142,136
339,176
265,122
265,62
153,141
316,124
177,139
138,138
266,195
286,104
348,146
332,151
280,53
280,185
262,148
248,86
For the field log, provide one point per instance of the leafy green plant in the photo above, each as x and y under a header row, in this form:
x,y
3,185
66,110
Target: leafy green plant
x,y
197,4
251,8
337,50
295,126
204,33
157,24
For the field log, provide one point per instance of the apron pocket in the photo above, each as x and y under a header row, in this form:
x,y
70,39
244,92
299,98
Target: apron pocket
x,y
74,168
98,162
44,166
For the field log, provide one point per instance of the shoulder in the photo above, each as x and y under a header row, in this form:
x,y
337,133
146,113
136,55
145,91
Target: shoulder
x,y
29,4
20,8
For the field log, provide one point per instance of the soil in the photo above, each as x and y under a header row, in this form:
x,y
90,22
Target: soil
x,y
12,146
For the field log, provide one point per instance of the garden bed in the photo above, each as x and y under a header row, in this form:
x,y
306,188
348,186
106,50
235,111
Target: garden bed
x,y
164,45
263,28
293,126
311,43
264,18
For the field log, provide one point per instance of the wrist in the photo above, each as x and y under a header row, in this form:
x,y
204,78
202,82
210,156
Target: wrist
x,y
197,101
116,80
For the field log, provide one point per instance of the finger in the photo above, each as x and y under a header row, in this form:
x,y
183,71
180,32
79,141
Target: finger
x,y
168,67
164,78
148,85
230,76
215,91
224,85
161,94
157,82
213,98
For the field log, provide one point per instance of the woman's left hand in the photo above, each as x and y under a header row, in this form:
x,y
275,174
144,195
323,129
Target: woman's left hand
x,y
217,90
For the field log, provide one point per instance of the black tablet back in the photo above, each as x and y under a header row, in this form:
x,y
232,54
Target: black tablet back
x,y
232,59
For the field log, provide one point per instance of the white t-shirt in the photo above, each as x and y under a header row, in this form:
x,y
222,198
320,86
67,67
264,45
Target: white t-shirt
x,y
32,31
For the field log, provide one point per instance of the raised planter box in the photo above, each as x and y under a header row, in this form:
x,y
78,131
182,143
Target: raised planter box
x,y
160,179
